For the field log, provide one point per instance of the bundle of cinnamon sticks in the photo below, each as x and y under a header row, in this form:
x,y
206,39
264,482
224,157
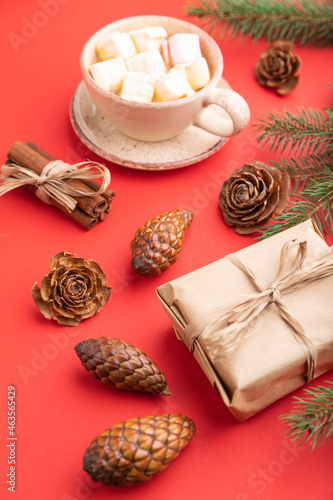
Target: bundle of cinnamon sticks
x,y
89,210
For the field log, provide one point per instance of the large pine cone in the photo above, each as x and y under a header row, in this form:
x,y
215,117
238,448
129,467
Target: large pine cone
x,y
119,364
133,452
253,195
156,245
278,67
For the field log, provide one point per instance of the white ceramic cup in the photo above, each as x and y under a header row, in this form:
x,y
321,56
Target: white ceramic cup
x,y
158,121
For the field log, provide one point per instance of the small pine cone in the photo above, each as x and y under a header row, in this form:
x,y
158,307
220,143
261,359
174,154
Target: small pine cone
x,y
119,364
132,452
156,245
278,67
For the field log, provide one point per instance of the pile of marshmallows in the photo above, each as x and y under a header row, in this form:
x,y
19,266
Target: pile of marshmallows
x,y
146,65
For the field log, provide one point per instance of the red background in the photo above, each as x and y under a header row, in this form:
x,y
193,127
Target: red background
x,y
60,407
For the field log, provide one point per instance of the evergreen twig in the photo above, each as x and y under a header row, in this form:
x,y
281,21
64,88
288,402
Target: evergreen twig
x,y
308,22
312,417
308,128
314,201
304,168
310,133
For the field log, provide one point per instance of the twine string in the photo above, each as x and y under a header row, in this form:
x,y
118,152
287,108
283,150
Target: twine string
x,y
232,325
52,183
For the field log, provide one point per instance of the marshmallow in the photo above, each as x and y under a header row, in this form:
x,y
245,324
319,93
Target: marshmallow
x,y
150,61
184,47
138,87
109,74
117,44
148,38
172,86
165,52
196,72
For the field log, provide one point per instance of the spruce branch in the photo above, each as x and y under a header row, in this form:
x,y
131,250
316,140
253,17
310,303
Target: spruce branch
x,y
308,22
314,201
309,132
312,417
310,129
304,168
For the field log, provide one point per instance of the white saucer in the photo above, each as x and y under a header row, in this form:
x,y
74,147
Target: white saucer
x,y
191,146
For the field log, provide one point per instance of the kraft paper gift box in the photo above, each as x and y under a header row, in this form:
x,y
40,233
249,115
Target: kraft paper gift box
x,y
259,321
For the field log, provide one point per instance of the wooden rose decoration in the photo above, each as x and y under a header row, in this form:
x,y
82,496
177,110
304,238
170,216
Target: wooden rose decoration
x,y
278,67
73,290
253,195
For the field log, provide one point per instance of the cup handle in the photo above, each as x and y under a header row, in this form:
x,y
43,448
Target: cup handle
x,y
237,117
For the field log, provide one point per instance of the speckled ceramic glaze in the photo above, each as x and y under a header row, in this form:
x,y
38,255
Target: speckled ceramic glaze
x,y
99,135
159,121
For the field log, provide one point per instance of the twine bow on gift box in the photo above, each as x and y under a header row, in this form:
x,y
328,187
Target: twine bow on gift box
x,y
231,326
51,182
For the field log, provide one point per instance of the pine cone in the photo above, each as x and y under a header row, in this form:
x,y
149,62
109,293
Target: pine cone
x,y
278,67
121,365
133,452
253,195
156,245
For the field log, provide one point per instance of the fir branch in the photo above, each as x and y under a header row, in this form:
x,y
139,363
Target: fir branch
x,y
310,129
304,168
312,417
308,22
314,201
330,105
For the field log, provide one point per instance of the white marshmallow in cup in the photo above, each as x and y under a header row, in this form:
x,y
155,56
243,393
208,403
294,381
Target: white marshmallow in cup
x,y
138,87
109,74
165,52
172,86
148,38
149,61
118,44
184,47
196,72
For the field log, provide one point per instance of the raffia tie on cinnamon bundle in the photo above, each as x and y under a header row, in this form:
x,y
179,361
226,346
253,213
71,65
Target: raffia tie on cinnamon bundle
x,y
70,188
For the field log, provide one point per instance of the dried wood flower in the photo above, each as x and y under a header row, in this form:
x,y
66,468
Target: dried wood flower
x,y
278,67
253,195
73,290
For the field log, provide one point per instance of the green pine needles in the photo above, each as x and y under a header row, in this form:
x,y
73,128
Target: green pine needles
x,y
308,22
312,417
309,135
309,129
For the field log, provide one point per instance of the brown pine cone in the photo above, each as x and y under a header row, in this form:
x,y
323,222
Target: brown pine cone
x,y
119,364
156,245
133,452
253,195
278,67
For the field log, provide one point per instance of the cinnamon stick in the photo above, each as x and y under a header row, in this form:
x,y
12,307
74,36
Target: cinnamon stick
x,y
77,214
90,183
106,212
28,157
108,193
